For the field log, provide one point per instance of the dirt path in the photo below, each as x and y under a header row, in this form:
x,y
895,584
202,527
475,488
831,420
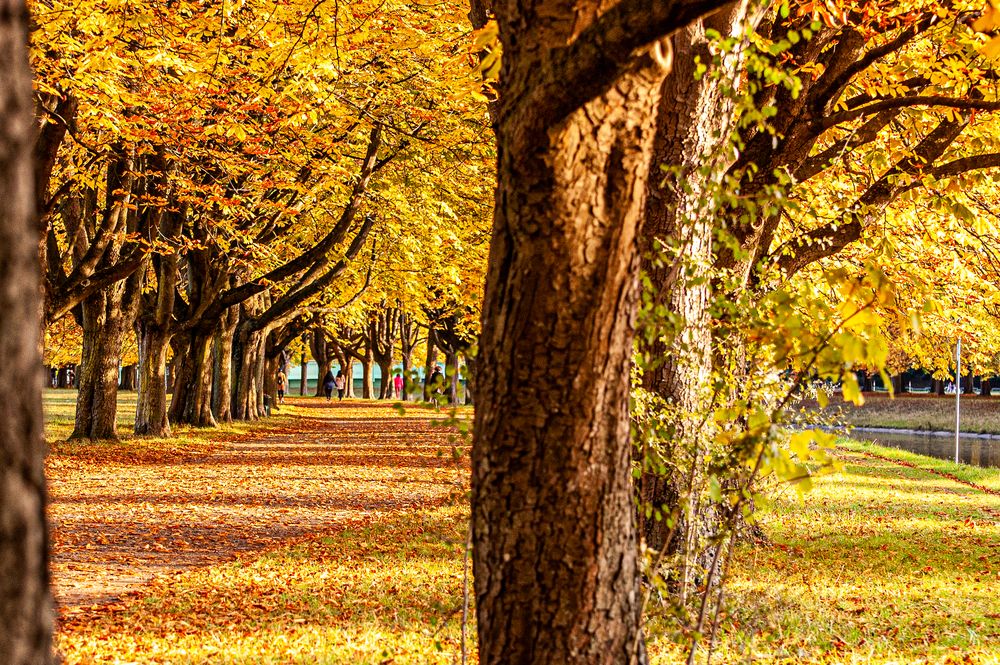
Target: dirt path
x,y
122,517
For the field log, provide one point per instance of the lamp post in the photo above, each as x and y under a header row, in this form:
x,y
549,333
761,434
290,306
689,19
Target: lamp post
x,y
958,392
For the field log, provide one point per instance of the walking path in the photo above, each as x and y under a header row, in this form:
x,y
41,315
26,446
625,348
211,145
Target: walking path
x,y
119,519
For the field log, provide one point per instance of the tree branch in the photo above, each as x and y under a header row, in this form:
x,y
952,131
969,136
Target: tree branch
x,y
602,53
903,102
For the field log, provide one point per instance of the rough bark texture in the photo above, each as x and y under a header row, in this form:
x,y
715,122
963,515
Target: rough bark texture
x,y
407,342
25,604
151,401
554,541
106,314
320,348
430,362
129,377
694,119
192,400
105,321
222,366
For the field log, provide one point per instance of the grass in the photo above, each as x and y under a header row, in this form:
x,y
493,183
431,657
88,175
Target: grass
x,y
921,412
880,564
984,476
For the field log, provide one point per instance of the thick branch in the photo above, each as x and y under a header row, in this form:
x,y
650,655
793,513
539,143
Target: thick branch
x,y
299,294
832,238
604,51
864,135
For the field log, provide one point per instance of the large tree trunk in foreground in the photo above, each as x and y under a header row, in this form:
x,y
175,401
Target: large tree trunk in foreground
x,y
25,603
554,540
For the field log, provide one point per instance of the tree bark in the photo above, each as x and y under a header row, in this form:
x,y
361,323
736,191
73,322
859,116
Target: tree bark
x,y
320,348
430,361
304,374
222,367
694,120
151,400
407,340
554,541
104,328
26,613
129,377
192,400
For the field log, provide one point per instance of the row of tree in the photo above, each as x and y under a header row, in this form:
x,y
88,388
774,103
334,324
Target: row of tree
x,y
215,177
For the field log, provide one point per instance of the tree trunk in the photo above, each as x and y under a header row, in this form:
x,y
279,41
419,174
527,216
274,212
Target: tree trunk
x,y
866,382
151,400
305,376
555,554
432,354
248,370
192,400
26,613
968,384
129,378
348,368
367,382
470,379
385,388
986,387
222,367
694,119
320,348
270,381
451,362
407,340
103,333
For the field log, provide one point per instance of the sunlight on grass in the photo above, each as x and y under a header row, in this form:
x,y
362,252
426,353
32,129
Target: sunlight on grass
x,y
857,574
985,476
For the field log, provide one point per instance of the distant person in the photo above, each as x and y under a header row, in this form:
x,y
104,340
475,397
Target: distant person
x,y
282,386
397,383
437,380
341,383
328,383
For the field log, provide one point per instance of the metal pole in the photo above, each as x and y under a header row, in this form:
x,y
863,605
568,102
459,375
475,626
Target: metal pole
x,y
958,392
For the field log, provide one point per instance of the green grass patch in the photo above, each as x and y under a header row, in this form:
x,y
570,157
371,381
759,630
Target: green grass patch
x,y
880,564
983,476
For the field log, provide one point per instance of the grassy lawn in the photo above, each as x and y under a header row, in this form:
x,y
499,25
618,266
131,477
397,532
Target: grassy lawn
x,y
880,564
921,412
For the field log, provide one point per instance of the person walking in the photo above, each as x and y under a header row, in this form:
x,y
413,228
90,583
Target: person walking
x,y
282,386
328,383
397,383
341,382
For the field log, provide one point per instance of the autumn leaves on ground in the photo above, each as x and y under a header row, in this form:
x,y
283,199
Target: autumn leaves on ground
x,y
335,533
